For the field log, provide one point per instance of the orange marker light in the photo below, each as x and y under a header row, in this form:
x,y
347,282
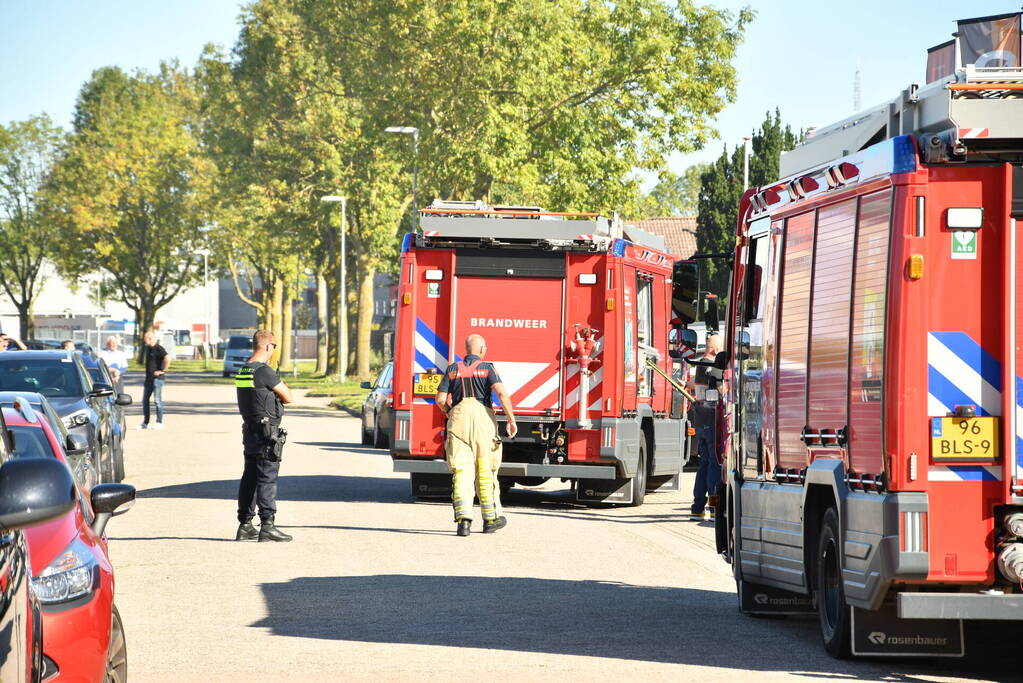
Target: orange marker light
x,y
407,299
915,266
610,304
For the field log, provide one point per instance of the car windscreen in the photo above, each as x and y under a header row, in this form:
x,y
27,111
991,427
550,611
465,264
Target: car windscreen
x,y
50,377
243,343
30,442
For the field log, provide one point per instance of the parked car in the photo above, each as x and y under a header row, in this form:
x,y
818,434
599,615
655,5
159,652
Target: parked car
x,y
238,351
76,448
72,577
378,411
42,344
115,402
32,491
62,378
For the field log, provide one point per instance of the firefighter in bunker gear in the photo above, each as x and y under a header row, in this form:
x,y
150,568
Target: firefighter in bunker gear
x,y
473,444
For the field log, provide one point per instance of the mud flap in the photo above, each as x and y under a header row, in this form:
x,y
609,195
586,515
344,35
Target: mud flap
x,y
882,633
757,599
604,491
664,483
428,485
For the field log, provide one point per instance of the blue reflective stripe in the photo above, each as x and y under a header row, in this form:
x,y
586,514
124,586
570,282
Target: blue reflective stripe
x,y
948,393
431,338
974,355
423,362
972,473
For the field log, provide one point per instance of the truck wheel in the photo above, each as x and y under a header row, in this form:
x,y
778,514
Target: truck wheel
x,y
832,609
639,479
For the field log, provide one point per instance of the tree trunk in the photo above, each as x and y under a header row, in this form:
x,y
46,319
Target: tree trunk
x,y
24,320
365,319
333,323
144,320
322,333
285,345
277,319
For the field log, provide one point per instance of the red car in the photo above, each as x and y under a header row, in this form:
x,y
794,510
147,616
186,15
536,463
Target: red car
x,y
83,638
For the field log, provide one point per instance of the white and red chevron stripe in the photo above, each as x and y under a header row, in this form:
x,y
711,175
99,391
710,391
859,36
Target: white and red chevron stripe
x,y
968,133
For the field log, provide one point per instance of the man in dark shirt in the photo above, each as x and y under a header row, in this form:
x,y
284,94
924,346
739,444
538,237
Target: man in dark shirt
x,y
473,443
261,395
157,361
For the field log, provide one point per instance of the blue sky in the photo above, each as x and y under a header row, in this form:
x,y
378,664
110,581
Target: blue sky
x,y
798,56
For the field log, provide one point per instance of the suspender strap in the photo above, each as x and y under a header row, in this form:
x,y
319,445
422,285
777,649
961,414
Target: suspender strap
x,y
466,373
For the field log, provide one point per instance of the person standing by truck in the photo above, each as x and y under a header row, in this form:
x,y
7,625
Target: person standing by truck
x,y
704,418
261,396
473,444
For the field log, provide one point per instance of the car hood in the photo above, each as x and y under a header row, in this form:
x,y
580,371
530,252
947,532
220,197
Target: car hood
x,y
68,404
46,541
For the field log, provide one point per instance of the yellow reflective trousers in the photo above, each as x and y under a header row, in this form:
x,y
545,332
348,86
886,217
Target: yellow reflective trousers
x,y
474,456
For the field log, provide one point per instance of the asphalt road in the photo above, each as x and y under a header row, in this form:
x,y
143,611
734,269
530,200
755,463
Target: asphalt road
x,y
376,586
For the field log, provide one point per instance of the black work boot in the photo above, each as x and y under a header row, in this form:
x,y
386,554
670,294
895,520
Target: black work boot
x,y
463,527
268,532
246,532
490,527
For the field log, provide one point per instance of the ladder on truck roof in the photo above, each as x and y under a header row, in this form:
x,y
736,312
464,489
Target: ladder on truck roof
x,y
447,223
976,112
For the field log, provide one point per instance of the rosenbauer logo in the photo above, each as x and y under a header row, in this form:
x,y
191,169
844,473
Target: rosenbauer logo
x,y
765,600
508,322
881,638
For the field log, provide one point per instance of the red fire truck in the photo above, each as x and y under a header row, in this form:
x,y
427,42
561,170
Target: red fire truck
x,y
875,460
572,307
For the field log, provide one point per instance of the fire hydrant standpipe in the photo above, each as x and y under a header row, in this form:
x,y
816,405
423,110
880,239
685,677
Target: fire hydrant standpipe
x,y
583,345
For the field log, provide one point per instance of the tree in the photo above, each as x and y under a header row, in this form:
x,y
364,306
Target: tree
x,y
132,189
721,189
673,195
27,152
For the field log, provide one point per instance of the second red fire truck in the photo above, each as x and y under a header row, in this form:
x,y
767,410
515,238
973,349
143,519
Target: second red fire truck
x,y
575,309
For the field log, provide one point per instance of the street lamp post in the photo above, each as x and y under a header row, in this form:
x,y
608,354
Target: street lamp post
x,y
414,132
205,253
342,343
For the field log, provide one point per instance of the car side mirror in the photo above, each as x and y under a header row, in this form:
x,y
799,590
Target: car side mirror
x,y
101,389
123,400
110,500
34,491
365,385
76,444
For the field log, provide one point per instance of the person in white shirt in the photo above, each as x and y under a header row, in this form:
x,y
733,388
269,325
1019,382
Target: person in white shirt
x,y
116,360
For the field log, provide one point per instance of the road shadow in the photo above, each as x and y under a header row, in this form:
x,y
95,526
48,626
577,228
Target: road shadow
x,y
172,408
587,618
307,488
343,446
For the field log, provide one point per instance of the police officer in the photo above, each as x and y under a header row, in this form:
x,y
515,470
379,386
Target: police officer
x,y
261,394
473,444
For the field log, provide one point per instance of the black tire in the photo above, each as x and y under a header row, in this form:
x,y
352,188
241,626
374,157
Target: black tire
x,y
119,465
639,479
380,438
117,651
832,609
367,436
106,467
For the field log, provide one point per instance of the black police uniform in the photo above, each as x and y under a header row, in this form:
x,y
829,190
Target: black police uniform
x,y
256,401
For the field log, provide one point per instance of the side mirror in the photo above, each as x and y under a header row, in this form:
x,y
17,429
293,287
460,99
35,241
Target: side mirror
x,y
33,491
685,288
365,385
721,361
710,318
123,400
77,444
110,500
688,338
101,389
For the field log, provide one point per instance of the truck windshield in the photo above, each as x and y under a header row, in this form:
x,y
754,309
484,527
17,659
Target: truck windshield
x,y
56,377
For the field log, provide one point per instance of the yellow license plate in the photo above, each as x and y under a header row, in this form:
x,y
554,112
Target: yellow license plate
x,y
964,438
426,383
